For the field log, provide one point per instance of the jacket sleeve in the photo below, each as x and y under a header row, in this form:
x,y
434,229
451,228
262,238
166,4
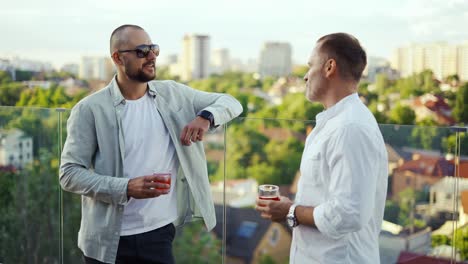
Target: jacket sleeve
x,y
224,107
352,160
80,147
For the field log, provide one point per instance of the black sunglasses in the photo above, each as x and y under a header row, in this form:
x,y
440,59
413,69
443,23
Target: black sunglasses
x,y
142,51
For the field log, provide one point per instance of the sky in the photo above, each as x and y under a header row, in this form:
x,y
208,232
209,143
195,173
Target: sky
x,y
62,31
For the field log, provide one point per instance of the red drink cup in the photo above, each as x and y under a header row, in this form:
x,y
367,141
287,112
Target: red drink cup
x,y
269,198
268,192
163,177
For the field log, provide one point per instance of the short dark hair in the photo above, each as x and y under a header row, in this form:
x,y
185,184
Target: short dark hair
x,y
348,53
117,37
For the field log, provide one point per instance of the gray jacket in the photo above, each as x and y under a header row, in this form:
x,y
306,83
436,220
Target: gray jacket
x,y
92,159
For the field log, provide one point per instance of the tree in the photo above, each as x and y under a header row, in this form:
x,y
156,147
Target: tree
x,y
5,77
460,111
382,83
427,136
300,71
449,143
402,115
10,93
31,213
193,244
461,242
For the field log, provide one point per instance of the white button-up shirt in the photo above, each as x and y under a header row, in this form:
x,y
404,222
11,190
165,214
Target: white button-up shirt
x,y
344,176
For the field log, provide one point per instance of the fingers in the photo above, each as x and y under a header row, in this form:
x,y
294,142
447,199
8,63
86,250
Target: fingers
x,y
264,211
183,135
194,131
147,187
190,135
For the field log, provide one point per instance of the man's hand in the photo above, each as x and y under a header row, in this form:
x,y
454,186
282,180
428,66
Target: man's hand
x,y
274,210
194,131
147,187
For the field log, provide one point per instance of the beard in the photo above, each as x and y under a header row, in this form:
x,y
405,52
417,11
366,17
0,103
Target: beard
x,y
139,75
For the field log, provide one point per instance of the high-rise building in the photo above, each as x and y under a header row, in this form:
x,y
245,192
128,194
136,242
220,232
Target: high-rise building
x,y
275,59
71,68
220,61
195,59
462,59
441,58
96,68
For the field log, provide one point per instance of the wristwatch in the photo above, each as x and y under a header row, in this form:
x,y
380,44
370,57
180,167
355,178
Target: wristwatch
x,y
207,115
291,217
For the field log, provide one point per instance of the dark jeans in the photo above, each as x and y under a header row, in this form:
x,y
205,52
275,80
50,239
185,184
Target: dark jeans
x,y
153,247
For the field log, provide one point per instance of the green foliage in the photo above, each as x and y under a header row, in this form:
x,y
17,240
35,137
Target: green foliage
x,y
229,82
5,77
294,107
449,143
24,75
300,71
439,240
268,82
30,232
427,136
246,150
379,116
266,259
382,83
392,211
406,202
408,87
163,73
460,111
193,244
402,115
10,93
461,242
49,98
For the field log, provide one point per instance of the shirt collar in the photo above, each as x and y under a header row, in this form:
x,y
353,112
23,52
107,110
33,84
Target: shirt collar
x,y
337,108
117,96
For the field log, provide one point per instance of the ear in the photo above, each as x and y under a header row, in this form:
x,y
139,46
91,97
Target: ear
x,y
330,67
116,58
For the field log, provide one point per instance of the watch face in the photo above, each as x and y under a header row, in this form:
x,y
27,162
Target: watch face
x,y
290,221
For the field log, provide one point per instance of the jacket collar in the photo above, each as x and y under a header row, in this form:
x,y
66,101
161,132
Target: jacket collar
x,y
117,97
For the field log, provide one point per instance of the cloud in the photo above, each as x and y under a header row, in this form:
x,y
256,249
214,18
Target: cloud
x,y
437,19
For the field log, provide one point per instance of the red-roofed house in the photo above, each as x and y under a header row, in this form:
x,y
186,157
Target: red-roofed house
x,y
434,107
420,173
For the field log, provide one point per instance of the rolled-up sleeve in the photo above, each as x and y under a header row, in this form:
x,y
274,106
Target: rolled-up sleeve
x,y
76,161
353,178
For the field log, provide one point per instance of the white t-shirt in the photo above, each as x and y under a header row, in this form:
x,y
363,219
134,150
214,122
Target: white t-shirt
x,y
148,149
344,175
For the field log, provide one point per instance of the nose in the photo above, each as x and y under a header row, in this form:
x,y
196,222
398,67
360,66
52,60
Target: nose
x,y
305,77
151,55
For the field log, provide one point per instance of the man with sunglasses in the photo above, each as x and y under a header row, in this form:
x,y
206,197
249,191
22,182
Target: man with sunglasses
x,y
120,137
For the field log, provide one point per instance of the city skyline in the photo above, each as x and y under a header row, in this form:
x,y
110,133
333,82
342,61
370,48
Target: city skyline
x,y
58,32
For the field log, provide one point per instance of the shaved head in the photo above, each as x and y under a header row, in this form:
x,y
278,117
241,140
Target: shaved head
x,y
119,36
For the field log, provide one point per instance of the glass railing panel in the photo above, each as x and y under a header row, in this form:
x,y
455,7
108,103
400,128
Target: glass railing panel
x,y
421,210
260,151
29,193
193,243
71,209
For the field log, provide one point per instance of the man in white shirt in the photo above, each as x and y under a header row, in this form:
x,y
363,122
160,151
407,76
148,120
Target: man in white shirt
x,y
121,137
338,210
